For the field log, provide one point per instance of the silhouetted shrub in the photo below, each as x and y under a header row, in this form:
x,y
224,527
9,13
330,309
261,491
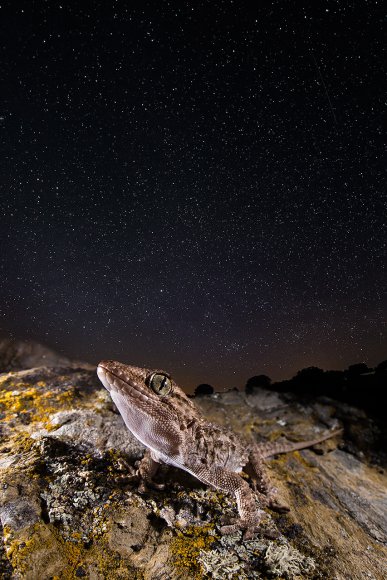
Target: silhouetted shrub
x,y
203,389
259,381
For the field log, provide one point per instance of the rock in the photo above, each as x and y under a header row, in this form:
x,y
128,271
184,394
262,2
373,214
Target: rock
x,y
70,506
18,354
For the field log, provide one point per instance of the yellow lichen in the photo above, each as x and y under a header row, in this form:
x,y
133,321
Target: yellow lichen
x,y
186,548
33,402
22,443
31,550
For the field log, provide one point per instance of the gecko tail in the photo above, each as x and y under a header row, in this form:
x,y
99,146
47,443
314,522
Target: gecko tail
x,y
276,447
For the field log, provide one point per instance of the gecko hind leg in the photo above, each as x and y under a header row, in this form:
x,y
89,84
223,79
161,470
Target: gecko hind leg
x,y
250,516
261,482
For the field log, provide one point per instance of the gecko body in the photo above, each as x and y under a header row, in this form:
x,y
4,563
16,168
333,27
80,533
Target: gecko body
x,y
159,414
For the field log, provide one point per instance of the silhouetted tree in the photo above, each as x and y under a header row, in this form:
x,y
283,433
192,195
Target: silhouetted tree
x,y
259,381
282,386
203,389
358,385
380,382
310,375
381,368
334,383
357,370
308,381
335,378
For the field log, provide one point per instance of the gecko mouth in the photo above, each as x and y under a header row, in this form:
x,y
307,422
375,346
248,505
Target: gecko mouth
x,y
103,377
116,381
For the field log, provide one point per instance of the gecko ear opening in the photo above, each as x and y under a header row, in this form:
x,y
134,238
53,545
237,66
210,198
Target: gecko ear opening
x,y
160,384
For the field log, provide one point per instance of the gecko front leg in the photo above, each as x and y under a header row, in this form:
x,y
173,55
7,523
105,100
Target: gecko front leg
x,y
146,471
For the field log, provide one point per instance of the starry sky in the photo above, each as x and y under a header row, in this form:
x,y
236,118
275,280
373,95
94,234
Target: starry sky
x,y
195,186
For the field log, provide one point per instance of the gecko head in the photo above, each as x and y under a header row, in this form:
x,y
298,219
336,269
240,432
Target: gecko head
x,y
134,381
149,401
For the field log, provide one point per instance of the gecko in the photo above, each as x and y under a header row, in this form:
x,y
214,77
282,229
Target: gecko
x,y
173,430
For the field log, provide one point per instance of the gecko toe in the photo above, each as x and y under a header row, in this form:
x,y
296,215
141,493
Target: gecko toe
x,y
145,486
250,526
159,486
228,520
277,506
229,529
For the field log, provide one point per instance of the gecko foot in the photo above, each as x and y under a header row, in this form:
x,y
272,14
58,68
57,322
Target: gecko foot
x,y
275,505
250,526
145,485
271,501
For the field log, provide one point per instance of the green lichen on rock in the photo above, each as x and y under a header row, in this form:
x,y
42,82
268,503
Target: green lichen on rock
x,y
283,560
257,558
219,565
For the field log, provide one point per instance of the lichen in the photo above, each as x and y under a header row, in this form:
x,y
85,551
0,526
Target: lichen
x,y
28,551
234,558
32,403
22,443
221,564
283,560
21,549
187,547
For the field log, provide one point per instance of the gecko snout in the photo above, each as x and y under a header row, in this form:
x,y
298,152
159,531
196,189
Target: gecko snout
x,y
103,375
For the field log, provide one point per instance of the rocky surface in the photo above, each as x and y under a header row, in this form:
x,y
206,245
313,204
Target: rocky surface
x,y
70,508
19,354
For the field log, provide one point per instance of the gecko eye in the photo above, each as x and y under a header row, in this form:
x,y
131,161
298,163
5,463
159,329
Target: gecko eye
x,y
160,384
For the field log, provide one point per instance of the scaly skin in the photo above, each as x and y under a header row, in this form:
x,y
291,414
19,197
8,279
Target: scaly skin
x,y
174,432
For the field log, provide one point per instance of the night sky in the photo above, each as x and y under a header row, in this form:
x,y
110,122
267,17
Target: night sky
x,y
195,186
